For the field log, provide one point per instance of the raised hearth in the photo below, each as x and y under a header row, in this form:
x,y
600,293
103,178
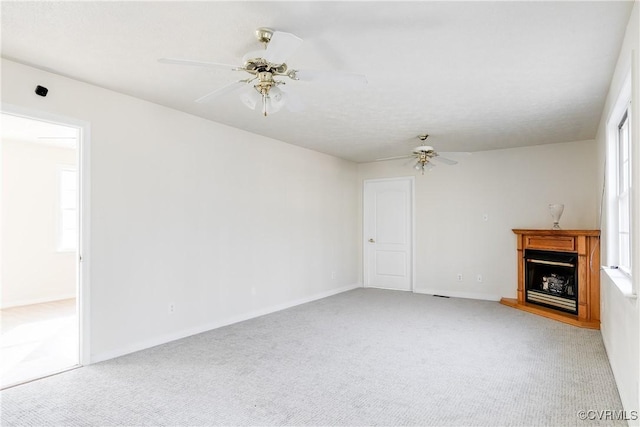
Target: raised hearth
x,y
559,275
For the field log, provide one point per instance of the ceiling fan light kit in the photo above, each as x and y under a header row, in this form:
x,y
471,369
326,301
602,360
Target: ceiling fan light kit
x,y
264,66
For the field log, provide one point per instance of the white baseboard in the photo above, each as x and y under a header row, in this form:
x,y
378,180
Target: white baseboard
x,y
458,294
20,303
100,357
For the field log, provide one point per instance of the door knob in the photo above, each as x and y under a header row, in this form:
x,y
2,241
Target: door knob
x,y
371,241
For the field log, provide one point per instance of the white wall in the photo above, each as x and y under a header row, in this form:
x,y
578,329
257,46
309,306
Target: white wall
x,y
33,269
514,188
620,314
223,223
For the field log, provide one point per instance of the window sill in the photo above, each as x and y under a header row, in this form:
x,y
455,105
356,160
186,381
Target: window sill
x,y
622,281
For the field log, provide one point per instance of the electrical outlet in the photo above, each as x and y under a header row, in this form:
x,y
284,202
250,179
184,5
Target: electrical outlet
x,y
479,278
459,277
254,292
333,275
172,308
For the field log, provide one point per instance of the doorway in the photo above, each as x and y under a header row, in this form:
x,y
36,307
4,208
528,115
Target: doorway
x,y
40,302
388,233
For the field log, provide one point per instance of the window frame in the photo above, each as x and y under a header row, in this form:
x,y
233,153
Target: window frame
x,y
623,192
620,274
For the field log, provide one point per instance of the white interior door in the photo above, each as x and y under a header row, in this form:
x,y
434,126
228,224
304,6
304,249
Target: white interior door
x,y
388,232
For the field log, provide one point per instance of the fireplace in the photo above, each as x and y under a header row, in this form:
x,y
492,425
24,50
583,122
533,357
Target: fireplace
x,y
559,275
551,279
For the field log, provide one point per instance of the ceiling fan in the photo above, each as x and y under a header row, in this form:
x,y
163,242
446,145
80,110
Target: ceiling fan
x,y
423,155
266,68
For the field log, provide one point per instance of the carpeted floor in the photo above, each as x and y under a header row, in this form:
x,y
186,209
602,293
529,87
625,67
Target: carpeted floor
x,y
364,357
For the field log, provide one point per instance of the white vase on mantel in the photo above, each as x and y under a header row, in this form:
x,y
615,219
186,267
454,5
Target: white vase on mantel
x,y
556,212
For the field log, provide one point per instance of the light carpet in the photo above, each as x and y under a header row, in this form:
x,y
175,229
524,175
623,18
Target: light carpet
x,y
364,357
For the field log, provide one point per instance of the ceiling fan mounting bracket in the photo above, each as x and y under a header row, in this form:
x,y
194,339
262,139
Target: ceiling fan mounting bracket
x,y
264,34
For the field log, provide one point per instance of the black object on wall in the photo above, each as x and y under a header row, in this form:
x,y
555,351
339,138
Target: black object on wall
x,y
41,90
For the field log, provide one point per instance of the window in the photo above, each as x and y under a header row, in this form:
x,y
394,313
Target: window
x,y
68,212
623,194
620,226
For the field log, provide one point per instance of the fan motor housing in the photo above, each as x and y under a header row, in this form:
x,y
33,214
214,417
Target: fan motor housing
x,y
259,65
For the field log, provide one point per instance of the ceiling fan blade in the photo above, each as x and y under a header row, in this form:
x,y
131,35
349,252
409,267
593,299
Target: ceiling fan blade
x,y
455,153
444,160
254,54
192,62
222,91
351,80
411,159
281,46
393,158
292,100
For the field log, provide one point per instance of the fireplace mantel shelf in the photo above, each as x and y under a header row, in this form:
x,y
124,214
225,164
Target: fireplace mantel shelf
x,y
547,232
584,243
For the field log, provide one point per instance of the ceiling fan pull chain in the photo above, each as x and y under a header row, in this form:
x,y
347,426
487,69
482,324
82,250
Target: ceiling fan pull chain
x,y
264,104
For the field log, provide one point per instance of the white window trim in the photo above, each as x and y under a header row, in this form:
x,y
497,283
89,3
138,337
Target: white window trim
x,y
621,278
622,281
625,268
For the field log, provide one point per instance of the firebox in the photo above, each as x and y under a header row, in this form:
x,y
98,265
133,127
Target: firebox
x,y
551,279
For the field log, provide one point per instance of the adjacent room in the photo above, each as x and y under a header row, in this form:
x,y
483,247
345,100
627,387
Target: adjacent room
x,y
322,213
39,246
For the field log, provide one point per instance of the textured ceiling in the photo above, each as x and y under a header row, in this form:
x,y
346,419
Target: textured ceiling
x,y
474,75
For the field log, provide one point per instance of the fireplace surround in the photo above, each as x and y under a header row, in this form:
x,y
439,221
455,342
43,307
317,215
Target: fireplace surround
x,y
559,275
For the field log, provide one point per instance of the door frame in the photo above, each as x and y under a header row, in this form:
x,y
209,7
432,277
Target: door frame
x,y
412,223
84,174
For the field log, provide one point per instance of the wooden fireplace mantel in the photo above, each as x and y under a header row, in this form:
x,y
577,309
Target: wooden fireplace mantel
x,y
586,244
